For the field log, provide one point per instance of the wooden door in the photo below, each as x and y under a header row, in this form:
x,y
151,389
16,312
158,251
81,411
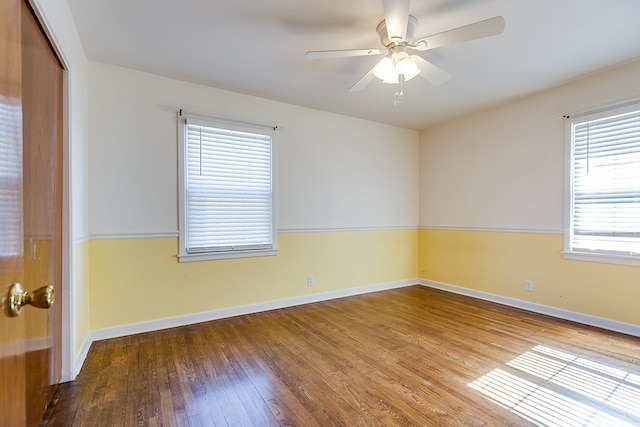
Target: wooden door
x,y
31,186
12,330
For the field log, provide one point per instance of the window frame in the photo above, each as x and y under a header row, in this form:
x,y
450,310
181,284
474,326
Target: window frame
x,y
183,254
571,120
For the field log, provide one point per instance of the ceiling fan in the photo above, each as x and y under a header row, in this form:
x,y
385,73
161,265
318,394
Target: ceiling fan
x,y
396,33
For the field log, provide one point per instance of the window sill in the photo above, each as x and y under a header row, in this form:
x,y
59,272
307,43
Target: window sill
x,y
226,255
603,258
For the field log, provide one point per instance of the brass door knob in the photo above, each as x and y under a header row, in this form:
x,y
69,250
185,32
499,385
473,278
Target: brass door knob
x,y
18,298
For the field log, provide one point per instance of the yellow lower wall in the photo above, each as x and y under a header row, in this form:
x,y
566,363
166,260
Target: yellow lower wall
x,y
500,262
137,280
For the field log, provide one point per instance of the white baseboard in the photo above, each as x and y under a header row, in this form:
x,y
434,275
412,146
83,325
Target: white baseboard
x,y
81,356
172,322
600,322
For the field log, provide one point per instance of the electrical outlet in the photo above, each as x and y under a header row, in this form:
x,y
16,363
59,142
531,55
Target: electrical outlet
x,y
309,280
528,285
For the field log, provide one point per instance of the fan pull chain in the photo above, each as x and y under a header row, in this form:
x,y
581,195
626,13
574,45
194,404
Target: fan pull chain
x,y
397,98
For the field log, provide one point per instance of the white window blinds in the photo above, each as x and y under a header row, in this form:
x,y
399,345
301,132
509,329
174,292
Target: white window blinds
x,y
606,184
11,243
228,187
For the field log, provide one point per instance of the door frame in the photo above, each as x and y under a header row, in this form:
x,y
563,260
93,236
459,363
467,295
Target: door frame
x,y
69,369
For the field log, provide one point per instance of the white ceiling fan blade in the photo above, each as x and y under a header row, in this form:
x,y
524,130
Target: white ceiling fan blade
x,y
323,54
477,30
396,16
434,75
363,82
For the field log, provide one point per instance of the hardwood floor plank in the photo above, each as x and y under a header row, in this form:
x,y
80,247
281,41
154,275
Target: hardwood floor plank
x,y
409,356
285,408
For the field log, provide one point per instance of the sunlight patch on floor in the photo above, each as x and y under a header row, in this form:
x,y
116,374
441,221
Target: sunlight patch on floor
x,y
555,388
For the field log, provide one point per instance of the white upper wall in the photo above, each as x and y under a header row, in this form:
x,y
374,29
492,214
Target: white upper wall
x,y
333,171
503,167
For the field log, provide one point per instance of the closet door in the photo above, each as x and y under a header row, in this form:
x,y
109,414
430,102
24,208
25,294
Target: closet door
x,y
42,210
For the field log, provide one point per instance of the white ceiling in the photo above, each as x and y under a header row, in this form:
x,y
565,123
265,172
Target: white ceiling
x,y
257,47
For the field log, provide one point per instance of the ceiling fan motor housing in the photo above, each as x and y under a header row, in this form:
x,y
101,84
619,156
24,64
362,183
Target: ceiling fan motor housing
x,y
381,29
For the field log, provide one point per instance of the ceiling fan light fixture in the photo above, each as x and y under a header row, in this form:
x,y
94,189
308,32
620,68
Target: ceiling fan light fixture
x,y
392,79
385,71
391,67
406,65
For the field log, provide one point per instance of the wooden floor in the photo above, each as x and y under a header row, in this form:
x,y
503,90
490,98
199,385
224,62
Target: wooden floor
x,y
411,356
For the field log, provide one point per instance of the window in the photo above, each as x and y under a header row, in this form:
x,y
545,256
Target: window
x,y
226,189
604,212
